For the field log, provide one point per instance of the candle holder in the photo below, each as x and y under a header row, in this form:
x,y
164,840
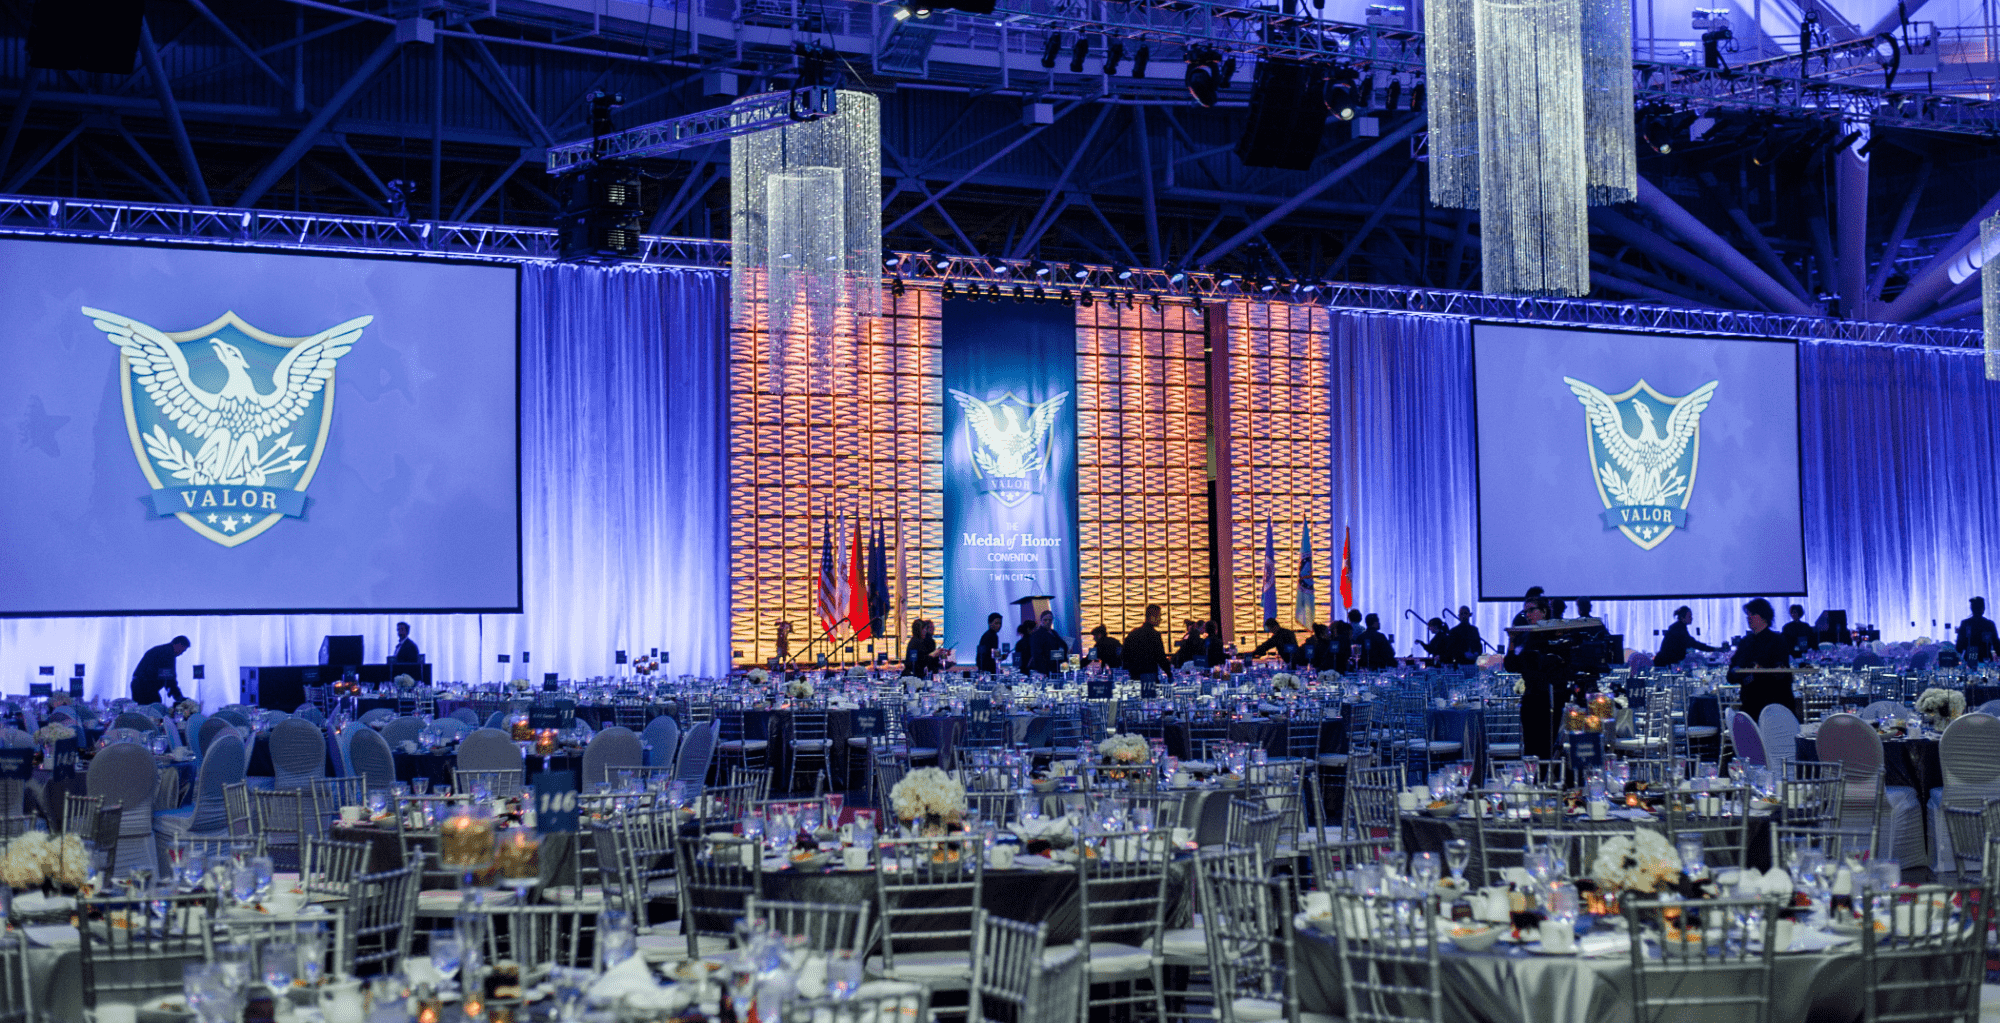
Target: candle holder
x,y
465,844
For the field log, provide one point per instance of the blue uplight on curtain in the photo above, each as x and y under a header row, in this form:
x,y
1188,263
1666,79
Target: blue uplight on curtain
x,y
1897,444
624,503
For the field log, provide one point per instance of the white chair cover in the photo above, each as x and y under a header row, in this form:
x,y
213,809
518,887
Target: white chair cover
x,y
381,714
467,715
173,730
222,765
211,730
14,738
346,742
451,729
696,752
298,754
1779,728
663,734
310,713
488,749
402,730
613,748
371,759
1847,740
1969,754
124,775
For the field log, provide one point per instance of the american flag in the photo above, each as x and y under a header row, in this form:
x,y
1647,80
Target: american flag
x,y
829,612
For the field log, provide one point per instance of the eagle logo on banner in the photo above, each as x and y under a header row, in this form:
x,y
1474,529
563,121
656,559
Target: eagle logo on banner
x,y
228,422
1010,442
1644,471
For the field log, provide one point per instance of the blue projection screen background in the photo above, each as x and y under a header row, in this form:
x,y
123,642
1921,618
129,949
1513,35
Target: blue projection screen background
x,y
202,430
1625,465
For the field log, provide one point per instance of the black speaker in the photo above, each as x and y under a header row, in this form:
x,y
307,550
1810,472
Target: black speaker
x,y
340,651
601,215
85,35
1287,116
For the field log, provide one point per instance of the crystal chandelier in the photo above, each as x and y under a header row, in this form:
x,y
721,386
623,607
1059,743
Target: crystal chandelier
x,y
1989,293
805,210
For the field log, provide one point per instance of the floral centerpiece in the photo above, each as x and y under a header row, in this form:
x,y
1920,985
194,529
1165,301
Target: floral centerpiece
x,y
1640,862
1329,677
1124,749
799,689
187,708
1941,706
1284,682
758,676
520,684
52,733
41,860
405,681
930,797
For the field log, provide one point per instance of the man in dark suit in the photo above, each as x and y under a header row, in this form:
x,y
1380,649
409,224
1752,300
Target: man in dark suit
x,y
986,658
1191,647
156,671
1799,637
1465,640
1046,650
1282,641
406,648
1107,651
1978,641
1375,652
1675,645
1145,653
1763,647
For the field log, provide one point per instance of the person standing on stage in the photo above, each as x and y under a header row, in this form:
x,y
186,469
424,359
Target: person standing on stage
x,y
920,657
986,658
1541,673
1978,641
1676,644
1107,651
1374,649
1799,637
1021,634
1282,641
1533,598
406,648
156,671
1439,646
1046,649
1465,640
1764,647
1145,653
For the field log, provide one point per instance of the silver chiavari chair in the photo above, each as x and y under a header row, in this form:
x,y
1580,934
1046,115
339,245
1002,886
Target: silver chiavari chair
x,y
1019,976
142,958
1710,977
826,927
1923,953
928,899
1388,957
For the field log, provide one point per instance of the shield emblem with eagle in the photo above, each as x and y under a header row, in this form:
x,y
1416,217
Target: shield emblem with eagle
x,y
228,422
1009,438
1644,450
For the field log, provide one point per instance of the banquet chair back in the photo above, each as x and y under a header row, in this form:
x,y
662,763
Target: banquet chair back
x,y
1247,917
401,730
663,737
503,783
1016,970
639,846
536,938
380,715
1123,900
1811,793
381,913
328,867
1971,831
1725,838
132,964
928,898
330,794
450,729
221,766
1969,754
898,1004
14,738
808,748
88,818
717,875
757,778
1371,802
1892,815
1745,739
136,721
1885,708
211,730
1302,734
1712,980
17,992
1501,840
309,713
369,757
467,715
1388,958
1255,828
697,750
345,740
1931,962
1989,707
488,749
173,730
124,776
1779,728
298,754
826,927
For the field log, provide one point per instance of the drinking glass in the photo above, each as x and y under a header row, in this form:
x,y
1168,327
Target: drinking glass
x,y
1885,874
243,885
570,986
843,974
420,785
262,871
1457,853
232,966
280,959
614,937
1690,849
1563,904
1424,869
312,955
378,802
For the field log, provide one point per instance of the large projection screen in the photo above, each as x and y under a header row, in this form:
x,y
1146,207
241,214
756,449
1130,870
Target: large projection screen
x,y
1627,465
199,430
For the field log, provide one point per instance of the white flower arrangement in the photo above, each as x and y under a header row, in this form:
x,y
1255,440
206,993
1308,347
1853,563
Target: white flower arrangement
x,y
758,675
799,689
1641,862
52,733
1520,686
860,673
1941,706
1124,749
187,708
1284,682
38,858
1329,676
927,793
405,681
520,684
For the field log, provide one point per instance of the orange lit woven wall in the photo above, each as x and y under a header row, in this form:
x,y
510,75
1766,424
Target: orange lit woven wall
x,y
1141,433
1280,442
797,458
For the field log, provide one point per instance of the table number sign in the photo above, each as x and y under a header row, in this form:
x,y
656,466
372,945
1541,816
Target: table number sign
x,y
979,712
867,724
548,681
39,688
1098,687
17,764
76,688
64,765
541,717
555,802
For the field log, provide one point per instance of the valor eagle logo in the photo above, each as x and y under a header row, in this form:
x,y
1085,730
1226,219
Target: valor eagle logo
x,y
1009,442
1644,473
228,422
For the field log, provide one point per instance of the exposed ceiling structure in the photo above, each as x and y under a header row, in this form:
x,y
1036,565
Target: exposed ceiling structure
x,y
1814,185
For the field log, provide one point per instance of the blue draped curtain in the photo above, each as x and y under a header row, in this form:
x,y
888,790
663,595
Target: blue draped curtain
x,y
1898,447
624,502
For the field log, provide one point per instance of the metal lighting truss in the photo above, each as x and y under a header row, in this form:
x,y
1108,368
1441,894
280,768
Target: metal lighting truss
x,y
1750,90
747,115
35,217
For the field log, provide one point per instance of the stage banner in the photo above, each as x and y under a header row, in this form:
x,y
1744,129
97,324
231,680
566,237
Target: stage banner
x,y
1009,467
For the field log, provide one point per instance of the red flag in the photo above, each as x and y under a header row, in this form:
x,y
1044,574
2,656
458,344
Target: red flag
x,y
1346,567
857,589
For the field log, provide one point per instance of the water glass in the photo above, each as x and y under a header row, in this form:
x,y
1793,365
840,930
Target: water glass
x,y
420,785
312,955
1457,854
263,871
447,953
843,974
1424,869
378,802
615,939
243,885
280,960
232,967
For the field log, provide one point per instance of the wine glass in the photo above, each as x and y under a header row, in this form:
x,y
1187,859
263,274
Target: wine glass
x,y
1457,853
421,785
843,974
280,959
1424,869
263,871
447,952
312,954
243,885
615,939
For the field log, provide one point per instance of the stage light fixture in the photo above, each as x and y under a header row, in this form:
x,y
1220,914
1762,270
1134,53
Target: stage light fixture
x,y
1204,75
1078,53
1050,48
1081,272
1140,58
1038,268
1084,299
1123,273
1156,302
1064,296
949,289
1418,95
1394,94
1340,93
1228,69
1176,276
896,286
1114,52
1020,293
1364,91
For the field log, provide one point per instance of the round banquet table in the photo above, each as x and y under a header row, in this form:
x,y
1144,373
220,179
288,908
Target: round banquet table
x,y
1911,763
1509,985
438,765
1424,833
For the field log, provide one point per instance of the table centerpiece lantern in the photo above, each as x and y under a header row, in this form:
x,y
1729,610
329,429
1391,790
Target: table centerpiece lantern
x,y
465,843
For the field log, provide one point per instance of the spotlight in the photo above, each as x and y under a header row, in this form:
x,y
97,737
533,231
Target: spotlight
x,y
1050,48
1114,52
1065,296
1140,59
1123,273
1418,95
1156,302
1204,75
1084,299
1177,277
1038,268
896,286
912,9
1395,94
1340,93
1041,294
949,289
1228,71
1845,141
1081,272
1020,293
1077,54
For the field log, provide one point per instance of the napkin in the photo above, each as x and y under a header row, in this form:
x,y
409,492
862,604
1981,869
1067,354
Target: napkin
x,y
419,971
1807,940
1615,943
630,976
47,935
36,902
1777,881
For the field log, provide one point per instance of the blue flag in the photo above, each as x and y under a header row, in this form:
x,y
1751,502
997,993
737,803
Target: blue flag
x,y
878,578
1302,610
1270,576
